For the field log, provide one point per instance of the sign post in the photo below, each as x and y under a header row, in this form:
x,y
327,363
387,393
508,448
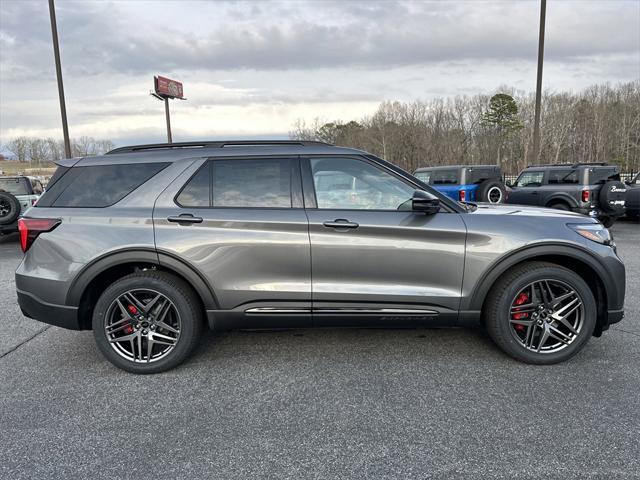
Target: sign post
x,y
164,89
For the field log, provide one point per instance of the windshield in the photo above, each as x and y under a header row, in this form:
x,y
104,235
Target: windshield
x,y
15,186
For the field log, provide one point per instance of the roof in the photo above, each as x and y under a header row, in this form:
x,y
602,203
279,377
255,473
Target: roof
x,y
164,152
451,167
572,165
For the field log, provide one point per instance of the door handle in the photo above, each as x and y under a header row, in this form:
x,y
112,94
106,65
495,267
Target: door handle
x,y
184,219
340,223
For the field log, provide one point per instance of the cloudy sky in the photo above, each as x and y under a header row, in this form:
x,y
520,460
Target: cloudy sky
x,y
250,69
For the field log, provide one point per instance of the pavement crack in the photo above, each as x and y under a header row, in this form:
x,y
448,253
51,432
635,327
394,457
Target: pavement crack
x,y
27,340
626,331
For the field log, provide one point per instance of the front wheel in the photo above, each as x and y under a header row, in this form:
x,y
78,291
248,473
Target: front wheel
x,y
540,313
147,322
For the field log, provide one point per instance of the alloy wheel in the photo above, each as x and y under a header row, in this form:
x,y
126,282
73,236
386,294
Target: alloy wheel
x,y
546,316
142,325
5,208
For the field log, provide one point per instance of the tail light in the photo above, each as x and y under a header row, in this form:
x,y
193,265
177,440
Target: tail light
x,y
463,195
585,195
30,228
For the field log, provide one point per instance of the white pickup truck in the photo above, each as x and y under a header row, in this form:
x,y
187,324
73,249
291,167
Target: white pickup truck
x,y
17,194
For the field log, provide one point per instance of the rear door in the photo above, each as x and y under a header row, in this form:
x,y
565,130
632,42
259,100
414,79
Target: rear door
x,y
372,260
240,223
559,183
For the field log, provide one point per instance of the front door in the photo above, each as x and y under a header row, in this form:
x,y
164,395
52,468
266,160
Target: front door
x,y
240,224
526,190
370,256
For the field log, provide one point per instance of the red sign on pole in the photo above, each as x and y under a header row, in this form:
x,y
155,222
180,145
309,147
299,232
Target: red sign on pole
x,y
167,88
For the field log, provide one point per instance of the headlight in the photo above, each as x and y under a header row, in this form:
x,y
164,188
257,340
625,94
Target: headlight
x,y
595,232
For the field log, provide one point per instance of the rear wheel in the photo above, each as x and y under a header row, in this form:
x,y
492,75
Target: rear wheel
x,y
492,191
9,208
540,313
147,322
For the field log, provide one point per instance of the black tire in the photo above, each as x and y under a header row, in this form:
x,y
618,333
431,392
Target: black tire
x,y
498,305
492,191
560,206
633,214
607,221
612,198
186,304
9,208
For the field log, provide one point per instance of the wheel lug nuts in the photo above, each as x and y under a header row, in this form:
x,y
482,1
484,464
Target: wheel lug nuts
x,y
145,331
153,327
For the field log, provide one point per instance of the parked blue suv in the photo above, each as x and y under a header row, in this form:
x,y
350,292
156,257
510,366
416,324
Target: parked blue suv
x,y
466,183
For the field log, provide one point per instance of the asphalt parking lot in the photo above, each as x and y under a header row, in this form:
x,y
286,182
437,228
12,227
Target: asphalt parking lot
x,y
320,404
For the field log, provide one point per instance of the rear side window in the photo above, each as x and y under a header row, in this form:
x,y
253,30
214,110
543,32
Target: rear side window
x,y
197,191
98,186
15,186
557,177
444,177
252,183
601,175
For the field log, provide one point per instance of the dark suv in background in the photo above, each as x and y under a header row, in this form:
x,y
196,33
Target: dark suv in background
x,y
592,189
147,244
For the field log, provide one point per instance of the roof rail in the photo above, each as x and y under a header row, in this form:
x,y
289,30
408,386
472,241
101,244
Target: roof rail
x,y
215,144
576,164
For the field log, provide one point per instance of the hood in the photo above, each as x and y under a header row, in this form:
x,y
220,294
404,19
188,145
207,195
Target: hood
x,y
522,211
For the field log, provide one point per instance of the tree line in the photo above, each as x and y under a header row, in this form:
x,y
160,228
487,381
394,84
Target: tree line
x,y
43,150
598,124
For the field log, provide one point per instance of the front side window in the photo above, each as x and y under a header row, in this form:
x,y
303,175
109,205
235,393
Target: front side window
x,y
530,179
252,183
445,177
347,183
423,176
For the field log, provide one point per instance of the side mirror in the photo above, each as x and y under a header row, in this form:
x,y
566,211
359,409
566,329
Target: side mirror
x,y
425,203
509,184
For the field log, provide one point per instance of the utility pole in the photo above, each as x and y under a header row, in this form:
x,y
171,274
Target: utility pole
x,y
56,53
536,121
166,112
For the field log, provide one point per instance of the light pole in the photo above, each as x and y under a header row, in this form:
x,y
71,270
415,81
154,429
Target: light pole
x,y
536,121
56,54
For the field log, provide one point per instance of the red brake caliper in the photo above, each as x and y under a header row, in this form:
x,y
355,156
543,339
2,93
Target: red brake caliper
x,y
520,300
133,311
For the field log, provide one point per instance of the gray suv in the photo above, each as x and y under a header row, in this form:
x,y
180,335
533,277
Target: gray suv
x,y
146,245
592,189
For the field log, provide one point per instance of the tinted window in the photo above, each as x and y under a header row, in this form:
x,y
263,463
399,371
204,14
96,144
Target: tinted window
x,y
530,179
424,176
100,185
197,190
562,176
346,183
15,186
252,183
601,175
444,177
